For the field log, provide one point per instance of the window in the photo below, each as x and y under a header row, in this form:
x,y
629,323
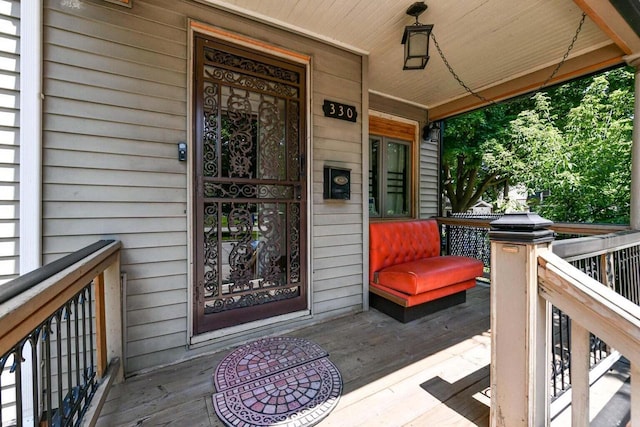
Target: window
x,y
391,166
389,177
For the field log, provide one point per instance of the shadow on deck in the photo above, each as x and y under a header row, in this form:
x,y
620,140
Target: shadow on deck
x,y
432,371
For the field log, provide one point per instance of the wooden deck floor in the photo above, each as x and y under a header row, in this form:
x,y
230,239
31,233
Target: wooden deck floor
x,y
429,372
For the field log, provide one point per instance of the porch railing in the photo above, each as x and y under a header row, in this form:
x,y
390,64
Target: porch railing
x,y
468,234
594,309
584,278
54,340
613,259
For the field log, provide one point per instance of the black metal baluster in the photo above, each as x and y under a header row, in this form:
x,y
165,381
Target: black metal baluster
x,y
84,340
70,387
46,339
17,372
91,334
448,239
77,338
629,273
85,379
554,393
636,279
619,285
631,266
3,361
624,271
58,317
33,342
634,269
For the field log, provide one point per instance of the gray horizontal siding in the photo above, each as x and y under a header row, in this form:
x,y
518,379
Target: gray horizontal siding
x,y
9,139
116,105
429,176
337,265
9,170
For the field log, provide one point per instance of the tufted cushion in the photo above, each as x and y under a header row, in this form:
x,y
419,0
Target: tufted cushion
x,y
397,242
428,274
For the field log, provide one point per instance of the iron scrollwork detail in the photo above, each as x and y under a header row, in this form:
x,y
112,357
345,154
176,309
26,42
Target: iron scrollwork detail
x,y
250,65
271,137
211,128
293,137
270,253
250,300
250,82
241,255
247,191
248,183
211,251
294,243
240,144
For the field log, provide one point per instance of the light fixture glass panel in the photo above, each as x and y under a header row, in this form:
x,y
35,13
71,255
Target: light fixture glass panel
x,y
414,62
397,179
418,44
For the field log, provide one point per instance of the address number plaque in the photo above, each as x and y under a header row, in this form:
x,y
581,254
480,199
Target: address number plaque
x,y
340,111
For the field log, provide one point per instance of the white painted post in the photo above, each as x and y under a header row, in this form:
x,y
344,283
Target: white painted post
x,y
520,322
634,219
30,214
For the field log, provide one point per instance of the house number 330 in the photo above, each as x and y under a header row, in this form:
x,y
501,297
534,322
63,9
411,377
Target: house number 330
x,y
340,111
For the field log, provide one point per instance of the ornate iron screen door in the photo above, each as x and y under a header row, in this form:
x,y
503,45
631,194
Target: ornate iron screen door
x,y
250,191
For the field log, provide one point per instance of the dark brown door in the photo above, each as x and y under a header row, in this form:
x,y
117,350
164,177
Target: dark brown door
x,y
249,186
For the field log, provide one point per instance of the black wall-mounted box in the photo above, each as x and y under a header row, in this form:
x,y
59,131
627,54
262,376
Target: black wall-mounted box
x,y
337,183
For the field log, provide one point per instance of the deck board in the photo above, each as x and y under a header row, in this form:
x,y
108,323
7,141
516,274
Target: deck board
x,y
426,372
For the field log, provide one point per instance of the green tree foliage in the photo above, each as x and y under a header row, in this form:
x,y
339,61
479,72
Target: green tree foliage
x,y
471,145
573,142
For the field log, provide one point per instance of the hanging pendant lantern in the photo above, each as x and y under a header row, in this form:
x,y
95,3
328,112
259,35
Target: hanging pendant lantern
x,y
416,40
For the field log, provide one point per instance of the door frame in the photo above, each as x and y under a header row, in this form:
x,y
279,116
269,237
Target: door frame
x,y
195,26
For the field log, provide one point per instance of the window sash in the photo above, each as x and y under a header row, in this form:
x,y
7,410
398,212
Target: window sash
x,y
390,177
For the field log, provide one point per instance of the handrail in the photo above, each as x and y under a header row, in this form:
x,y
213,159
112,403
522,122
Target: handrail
x,y
465,222
558,227
593,308
27,281
27,310
587,229
584,247
598,308
55,337
533,291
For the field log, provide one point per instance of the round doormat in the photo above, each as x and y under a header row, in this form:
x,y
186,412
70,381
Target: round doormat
x,y
280,381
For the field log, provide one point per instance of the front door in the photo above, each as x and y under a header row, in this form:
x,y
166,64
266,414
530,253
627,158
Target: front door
x,y
249,186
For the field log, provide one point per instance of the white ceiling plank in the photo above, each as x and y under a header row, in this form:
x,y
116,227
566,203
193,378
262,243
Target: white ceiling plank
x,y
488,42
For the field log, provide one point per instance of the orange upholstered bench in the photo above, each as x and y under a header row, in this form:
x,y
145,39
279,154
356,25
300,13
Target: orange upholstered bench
x,y
408,278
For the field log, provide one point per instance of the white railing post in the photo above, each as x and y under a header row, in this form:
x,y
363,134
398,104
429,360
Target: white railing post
x,y
520,322
113,314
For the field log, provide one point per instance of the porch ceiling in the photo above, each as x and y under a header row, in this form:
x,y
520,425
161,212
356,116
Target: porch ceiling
x,y
500,48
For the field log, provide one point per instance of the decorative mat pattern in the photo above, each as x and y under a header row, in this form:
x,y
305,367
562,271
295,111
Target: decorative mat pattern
x,y
280,381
